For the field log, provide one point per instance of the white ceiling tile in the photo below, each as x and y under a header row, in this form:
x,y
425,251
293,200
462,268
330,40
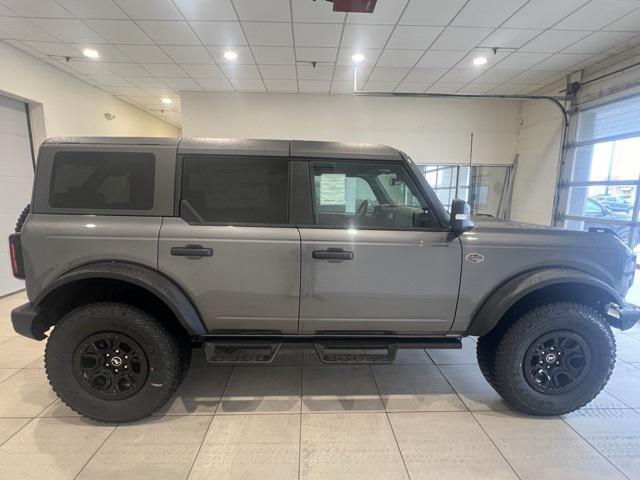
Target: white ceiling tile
x,y
460,38
370,56
206,9
277,85
411,87
150,10
623,46
248,84
219,33
598,42
380,86
460,75
510,37
241,71
58,49
199,70
596,14
145,53
108,53
68,30
346,74
110,80
399,58
382,74
268,33
553,41
120,32
317,34
88,67
521,61
126,69
496,76
439,59
165,92
127,90
431,12
214,84
543,13
321,12
492,58
92,9
169,33
561,61
20,29
274,55
37,8
510,89
26,48
342,87
278,72
270,11
5,12
186,54
165,70
387,12
316,54
181,83
532,76
244,55
628,23
589,60
477,88
445,87
486,13
319,72
425,75
143,82
314,86
416,37
365,36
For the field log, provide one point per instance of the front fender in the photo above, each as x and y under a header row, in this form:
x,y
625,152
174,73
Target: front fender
x,y
509,293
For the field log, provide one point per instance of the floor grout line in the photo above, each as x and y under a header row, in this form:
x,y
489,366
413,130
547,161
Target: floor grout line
x,y
17,431
494,444
96,452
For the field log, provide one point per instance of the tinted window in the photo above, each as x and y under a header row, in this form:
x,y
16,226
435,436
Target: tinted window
x,y
102,180
367,194
235,190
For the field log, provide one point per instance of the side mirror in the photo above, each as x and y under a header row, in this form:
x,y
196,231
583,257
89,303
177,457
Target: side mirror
x,y
460,216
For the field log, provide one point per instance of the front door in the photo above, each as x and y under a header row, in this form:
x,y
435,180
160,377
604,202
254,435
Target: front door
x,y
376,260
232,249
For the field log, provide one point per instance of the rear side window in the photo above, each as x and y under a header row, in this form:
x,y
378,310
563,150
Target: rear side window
x,y
235,190
102,180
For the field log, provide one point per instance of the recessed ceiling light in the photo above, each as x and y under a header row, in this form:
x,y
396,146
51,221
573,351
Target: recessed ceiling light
x,y
358,57
167,101
229,55
91,53
479,60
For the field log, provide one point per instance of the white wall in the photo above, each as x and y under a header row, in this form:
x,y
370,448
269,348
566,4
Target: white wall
x,y
430,130
62,105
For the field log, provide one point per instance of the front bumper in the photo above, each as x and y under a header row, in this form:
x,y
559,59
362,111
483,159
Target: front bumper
x,y
622,316
26,322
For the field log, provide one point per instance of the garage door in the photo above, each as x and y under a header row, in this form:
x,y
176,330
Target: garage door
x,y
16,179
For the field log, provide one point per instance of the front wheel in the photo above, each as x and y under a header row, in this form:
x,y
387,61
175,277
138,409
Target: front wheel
x,y
554,359
113,362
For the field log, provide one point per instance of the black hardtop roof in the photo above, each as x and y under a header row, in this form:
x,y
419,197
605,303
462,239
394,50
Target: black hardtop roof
x,y
246,147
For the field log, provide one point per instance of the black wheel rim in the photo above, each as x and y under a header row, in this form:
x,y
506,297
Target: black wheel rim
x,y
110,365
557,362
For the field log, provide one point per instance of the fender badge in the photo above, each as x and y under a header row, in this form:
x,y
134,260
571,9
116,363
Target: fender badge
x,y
474,257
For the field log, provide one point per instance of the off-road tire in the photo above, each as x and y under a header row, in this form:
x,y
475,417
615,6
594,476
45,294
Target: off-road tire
x,y
507,370
166,356
22,218
485,353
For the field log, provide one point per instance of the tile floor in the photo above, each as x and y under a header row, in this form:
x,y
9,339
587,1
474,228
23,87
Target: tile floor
x,y
430,415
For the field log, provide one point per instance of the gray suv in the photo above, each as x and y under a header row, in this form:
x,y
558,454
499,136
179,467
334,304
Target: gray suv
x,y
135,250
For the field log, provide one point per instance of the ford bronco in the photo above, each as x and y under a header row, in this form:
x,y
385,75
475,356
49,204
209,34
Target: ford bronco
x,y
136,249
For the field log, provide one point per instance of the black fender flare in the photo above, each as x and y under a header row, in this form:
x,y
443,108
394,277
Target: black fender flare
x,y
510,292
145,277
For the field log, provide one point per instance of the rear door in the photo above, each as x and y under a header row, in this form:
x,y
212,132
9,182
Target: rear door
x,y
232,249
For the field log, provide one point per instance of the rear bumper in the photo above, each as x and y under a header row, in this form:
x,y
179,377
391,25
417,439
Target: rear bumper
x,y
25,322
623,316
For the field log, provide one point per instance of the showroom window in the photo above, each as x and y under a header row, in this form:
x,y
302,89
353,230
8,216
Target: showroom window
x,y
235,190
602,174
484,187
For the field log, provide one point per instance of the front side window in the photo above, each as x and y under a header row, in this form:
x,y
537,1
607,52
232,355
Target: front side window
x,y
367,194
102,180
235,190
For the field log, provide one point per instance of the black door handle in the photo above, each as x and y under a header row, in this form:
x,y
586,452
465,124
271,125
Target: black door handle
x,y
192,251
332,254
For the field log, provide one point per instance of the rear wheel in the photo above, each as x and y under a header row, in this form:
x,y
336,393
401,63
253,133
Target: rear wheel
x,y
554,359
113,362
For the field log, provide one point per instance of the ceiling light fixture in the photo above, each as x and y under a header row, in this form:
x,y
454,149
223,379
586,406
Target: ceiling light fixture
x,y
229,55
479,61
167,101
358,57
91,53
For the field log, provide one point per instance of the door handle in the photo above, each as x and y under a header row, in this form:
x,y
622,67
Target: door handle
x,y
332,254
192,251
